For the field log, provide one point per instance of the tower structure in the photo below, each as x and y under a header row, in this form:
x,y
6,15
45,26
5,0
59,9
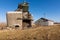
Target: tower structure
x,y
20,18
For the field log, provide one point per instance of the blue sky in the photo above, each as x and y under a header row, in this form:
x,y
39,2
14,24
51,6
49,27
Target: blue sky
x,y
37,8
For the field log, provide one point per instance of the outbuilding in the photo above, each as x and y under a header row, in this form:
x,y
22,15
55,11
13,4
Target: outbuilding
x,y
44,22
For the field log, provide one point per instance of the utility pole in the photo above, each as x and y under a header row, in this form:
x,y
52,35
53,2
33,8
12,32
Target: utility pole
x,y
44,15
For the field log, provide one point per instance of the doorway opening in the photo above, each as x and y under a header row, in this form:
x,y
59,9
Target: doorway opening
x,y
27,23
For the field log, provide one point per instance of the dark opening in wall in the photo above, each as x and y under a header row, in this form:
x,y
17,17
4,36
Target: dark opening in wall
x,y
16,26
27,23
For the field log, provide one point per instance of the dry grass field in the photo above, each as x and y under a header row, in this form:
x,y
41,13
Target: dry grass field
x,y
2,26
39,33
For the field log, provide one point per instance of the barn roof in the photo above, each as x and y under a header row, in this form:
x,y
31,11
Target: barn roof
x,y
44,19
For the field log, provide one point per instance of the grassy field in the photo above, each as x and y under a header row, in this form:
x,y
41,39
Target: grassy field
x,y
39,33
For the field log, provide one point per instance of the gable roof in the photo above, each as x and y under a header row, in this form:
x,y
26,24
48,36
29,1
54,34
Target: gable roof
x,y
44,19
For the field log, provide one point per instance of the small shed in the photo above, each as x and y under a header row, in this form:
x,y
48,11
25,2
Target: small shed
x,y
45,22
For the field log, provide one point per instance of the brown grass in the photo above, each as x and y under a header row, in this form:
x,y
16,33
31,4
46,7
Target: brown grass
x,y
3,26
39,33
